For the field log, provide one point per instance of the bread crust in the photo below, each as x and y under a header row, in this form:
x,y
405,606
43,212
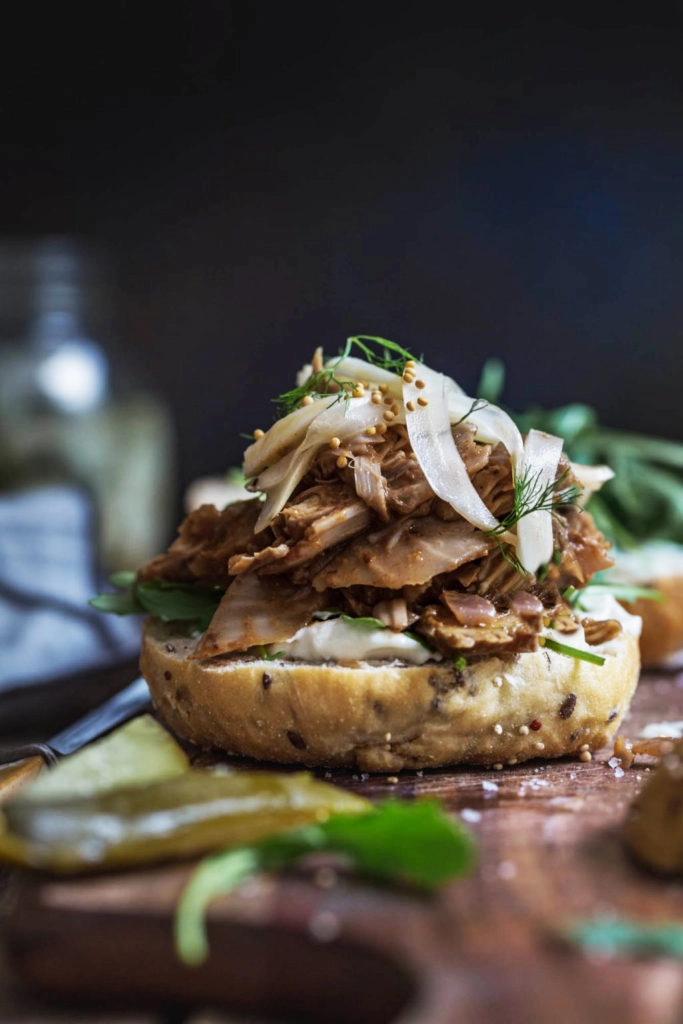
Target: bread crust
x,y
662,633
384,717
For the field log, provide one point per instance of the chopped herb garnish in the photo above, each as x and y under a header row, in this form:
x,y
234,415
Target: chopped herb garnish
x,y
265,656
477,404
531,497
460,662
397,841
571,652
393,357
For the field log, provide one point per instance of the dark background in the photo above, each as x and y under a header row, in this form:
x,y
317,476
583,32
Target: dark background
x,y
268,177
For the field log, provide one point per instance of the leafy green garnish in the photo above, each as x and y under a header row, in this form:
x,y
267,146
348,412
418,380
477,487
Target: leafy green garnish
x,y
322,383
265,656
364,620
627,592
571,652
170,602
418,640
459,662
618,936
644,500
396,841
360,620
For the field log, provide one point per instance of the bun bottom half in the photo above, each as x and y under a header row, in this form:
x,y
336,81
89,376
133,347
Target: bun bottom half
x,y
388,716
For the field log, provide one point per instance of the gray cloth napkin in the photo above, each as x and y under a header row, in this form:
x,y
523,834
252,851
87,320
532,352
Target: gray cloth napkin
x,y
47,575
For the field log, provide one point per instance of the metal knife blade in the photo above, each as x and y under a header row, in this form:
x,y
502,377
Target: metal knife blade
x,y
124,705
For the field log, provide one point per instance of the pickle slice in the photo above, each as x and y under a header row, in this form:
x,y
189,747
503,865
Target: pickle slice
x,y
137,754
174,818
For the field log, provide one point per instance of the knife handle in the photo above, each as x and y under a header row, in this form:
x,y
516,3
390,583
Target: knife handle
x,y
15,775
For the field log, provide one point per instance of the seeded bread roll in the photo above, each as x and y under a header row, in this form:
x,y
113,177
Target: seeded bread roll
x,y
662,634
386,716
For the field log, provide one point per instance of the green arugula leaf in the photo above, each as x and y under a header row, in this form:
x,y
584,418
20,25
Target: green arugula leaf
x,y
623,591
396,841
118,604
329,613
123,579
360,620
644,501
170,602
174,602
418,640
364,620
265,656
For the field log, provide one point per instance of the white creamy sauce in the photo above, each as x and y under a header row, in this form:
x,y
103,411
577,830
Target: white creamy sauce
x,y
338,640
596,604
656,560
342,641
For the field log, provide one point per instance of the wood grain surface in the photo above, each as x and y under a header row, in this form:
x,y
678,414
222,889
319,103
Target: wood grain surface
x,y
490,948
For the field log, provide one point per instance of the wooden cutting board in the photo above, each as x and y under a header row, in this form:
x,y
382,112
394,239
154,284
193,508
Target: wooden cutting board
x,y
487,948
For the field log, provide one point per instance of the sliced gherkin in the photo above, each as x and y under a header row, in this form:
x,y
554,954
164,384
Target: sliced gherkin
x,y
176,818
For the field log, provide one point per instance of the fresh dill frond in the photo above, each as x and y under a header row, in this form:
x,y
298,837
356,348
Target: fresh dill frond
x,y
531,497
510,556
325,383
477,404
392,357
320,384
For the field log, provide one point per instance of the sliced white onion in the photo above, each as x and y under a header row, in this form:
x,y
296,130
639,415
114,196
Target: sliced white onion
x,y
492,424
535,530
282,436
355,369
345,420
590,478
431,438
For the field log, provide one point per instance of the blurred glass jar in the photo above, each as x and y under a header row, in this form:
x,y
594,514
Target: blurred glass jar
x,y
65,417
